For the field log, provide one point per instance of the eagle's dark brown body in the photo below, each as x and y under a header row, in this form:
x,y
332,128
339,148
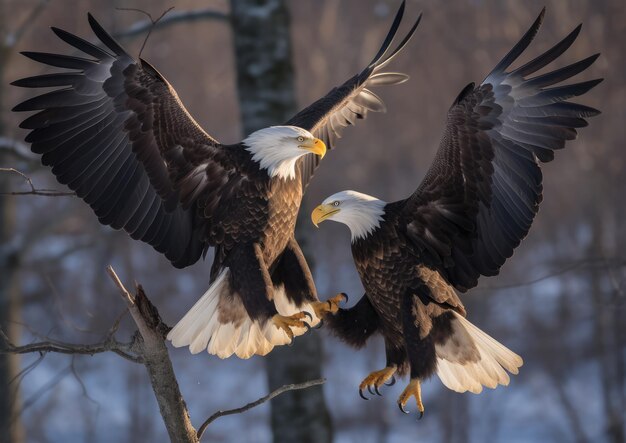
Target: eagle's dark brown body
x,y
474,206
406,306
264,212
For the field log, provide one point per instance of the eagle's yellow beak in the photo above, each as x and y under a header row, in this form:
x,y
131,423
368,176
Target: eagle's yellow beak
x,y
322,212
316,146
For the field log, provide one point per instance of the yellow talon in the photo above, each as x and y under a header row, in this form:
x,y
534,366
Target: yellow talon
x,y
412,390
376,379
331,305
292,321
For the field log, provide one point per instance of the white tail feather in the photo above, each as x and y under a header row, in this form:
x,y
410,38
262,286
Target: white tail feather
x,y
460,373
201,328
198,320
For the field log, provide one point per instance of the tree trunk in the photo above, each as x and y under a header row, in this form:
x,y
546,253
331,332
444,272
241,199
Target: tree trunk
x,y
603,334
10,423
265,83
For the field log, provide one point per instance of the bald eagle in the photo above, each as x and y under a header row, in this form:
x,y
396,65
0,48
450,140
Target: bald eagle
x,y
116,133
474,206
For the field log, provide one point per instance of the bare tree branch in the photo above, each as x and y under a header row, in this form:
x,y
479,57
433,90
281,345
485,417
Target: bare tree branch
x,y
153,23
45,388
148,348
602,262
81,383
33,190
158,364
271,395
173,18
124,350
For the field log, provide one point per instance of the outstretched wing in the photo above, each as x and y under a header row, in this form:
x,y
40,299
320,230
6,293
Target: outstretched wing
x,y
343,105
484,187
117,134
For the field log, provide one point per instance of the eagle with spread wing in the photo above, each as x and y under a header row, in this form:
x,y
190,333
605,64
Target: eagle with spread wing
x,y
472,209
116,132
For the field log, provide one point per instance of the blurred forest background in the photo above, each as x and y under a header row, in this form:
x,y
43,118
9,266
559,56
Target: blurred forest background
x,y
559,302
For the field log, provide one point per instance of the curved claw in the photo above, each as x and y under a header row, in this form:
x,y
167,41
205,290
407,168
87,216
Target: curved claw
x,y
361,394
369,388
308,315
319,325
402,408
392,381
421,415
377,391
345,296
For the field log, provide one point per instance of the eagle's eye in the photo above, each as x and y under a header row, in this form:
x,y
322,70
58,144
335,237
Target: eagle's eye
x,y
336,203
300,139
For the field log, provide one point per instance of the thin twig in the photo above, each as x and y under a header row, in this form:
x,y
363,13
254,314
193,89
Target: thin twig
x,y
81,383
116,324
558,272
122,349
271,395
173,18
33,190
51,383
17,379
153,24
125,294
45,346
142,326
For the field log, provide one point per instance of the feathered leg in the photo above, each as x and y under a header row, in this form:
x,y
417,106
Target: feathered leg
x,y
292,273
236,315
259,296
421,355
354,325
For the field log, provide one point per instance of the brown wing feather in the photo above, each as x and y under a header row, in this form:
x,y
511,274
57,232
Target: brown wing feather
x,y
117,133
481,194
344,105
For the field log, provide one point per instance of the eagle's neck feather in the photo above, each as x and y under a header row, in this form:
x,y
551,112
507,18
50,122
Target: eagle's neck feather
x,y
271,152
367,219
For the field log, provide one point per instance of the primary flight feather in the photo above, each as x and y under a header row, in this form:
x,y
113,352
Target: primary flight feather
x,y
474,206
117,134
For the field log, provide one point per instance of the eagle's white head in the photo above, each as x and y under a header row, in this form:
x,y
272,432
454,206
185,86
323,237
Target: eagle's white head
x,y
362,213
277,148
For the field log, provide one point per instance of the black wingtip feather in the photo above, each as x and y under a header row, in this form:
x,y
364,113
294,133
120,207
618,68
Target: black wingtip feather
x,y
104,36
521,45
562,74
576,89
81,44
390,35
59,60
550,55
402,44
47,80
